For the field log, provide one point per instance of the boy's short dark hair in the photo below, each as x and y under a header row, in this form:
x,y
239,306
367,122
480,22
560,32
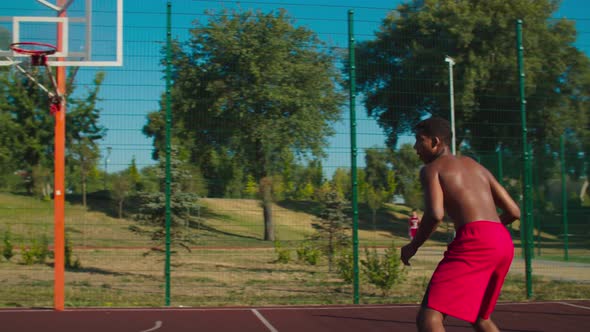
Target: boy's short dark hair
x,y
435,127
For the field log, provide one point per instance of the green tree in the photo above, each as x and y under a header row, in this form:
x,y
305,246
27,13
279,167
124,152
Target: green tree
x,y
24,108
404,77
262,89
331,226
83,117
41,180
341,182
251,187
8,248
152,210
406,165
380,179
121,189
8,140
84,156
134,175
26,117
149,178
383,271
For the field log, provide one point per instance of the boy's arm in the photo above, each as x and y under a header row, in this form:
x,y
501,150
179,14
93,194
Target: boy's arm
x,y
433,213
502,199
434,206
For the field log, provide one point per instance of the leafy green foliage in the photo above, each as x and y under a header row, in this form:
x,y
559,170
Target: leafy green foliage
x,y
27,129
263,90
341,183
152,210
71,262
380,179
38,252
251,187
283,254
308,253
84,156
404,76
121,189
27,256
331,226
406,165
7,248
383,271
345,265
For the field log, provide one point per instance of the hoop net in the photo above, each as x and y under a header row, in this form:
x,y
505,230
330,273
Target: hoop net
x,y
39,53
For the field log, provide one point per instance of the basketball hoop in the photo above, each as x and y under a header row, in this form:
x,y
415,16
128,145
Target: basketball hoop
x,y
39,53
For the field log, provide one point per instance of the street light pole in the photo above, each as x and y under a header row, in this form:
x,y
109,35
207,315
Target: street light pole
x,y
452,101
106,166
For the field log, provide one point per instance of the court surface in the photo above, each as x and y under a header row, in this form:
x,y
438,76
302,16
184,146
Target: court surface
x,y
560,316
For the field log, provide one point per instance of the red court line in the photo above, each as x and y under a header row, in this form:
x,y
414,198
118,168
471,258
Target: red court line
x,y
561,316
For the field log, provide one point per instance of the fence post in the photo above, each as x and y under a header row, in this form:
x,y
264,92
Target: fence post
x,y
564,198
353,150
168,145
535,218
526,214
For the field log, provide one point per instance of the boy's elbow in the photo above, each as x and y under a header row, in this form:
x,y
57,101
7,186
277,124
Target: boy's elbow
x,y
510,215
437,216
515,213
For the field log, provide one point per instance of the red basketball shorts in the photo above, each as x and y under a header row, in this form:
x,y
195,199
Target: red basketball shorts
x,y
466,283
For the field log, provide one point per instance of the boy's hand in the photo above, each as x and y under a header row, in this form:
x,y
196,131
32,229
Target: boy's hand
x,y
408,251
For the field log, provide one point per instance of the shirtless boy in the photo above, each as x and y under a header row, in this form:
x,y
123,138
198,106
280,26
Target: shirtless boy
x,y
466,284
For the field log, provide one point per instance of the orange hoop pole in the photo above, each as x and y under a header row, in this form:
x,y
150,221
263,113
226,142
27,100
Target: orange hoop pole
x,y
59,181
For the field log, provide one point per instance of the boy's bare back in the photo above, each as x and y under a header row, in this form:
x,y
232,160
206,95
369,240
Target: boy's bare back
x,y
459,186
468,189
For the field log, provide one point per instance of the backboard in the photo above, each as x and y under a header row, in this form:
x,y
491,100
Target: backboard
x,y
87,33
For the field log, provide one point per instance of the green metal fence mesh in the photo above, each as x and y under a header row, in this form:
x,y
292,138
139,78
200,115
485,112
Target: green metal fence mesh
x,y
257,189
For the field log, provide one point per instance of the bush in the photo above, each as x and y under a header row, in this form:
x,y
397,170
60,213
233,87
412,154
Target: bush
x,y
7,249
345,265
41,249
27,256
383,272
283,255
68,256
308,254
38,252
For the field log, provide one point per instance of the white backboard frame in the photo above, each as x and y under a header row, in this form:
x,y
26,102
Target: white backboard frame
x,y
8,58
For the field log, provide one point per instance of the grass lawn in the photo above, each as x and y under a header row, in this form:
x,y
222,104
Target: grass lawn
x,y
228,264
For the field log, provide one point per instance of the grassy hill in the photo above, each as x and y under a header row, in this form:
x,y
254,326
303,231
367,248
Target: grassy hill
x,y
225,222
229,264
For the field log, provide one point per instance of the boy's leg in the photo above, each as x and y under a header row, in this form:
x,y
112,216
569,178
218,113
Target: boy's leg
x,y
430,320
485,325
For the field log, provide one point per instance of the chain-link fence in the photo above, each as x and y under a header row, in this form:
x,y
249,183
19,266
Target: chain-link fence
x,y
237,132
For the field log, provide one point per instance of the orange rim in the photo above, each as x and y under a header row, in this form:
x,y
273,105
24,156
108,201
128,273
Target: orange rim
x,y
21,48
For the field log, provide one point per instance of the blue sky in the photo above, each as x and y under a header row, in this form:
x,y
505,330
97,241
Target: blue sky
x,y
132,91
328,19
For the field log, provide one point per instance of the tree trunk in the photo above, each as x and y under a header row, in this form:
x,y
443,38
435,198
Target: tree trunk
x,y
266,188
583,190
374,219
84,191
120,209
46,191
